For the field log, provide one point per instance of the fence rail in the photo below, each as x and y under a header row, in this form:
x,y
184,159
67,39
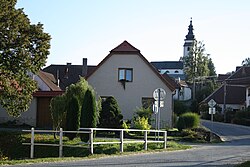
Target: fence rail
x,y
91,142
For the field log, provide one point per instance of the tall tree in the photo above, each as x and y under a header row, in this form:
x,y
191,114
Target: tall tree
x,y
211,67
73,117
196,63
89,113
24,48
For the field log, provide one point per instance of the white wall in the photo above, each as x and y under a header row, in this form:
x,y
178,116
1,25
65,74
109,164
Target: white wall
x,y
145,81
28,117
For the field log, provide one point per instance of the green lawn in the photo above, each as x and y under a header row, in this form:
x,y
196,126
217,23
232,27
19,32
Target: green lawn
x,y
19,153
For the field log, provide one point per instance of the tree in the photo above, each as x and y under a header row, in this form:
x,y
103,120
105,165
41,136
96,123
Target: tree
x,y
246,62
110,115
24,48
196,63
211,67
58,111
72,117
89,113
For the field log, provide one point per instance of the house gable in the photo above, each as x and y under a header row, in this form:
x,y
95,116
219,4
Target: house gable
x,y
127,48
131,92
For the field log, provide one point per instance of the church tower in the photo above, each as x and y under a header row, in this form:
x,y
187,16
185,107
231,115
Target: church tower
x,y
189,39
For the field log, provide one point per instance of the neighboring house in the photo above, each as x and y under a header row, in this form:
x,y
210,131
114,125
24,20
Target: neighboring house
x,y
38,115
127,75
69,74
174,69
237,94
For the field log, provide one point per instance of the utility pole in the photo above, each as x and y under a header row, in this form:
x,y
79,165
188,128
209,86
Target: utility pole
x,y
224,100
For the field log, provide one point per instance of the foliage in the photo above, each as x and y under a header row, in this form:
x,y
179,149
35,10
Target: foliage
x,y
9,143
204,89
144,112
72,117
188,120
89,113
110,115
246,62
196,63
179,107
78,89
141,123
211,67
24,48
58,112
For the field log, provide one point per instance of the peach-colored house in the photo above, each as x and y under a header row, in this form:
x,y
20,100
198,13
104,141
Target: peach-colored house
x,y
127,75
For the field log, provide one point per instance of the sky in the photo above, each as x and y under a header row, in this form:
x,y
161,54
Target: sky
x,y
91,28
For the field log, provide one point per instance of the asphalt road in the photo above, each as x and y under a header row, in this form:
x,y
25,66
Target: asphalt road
x,y
235,150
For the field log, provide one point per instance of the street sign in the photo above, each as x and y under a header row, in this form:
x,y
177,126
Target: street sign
x,y
161,103
155,108
211,110
211,103
159,94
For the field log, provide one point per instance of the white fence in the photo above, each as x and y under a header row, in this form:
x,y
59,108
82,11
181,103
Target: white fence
x,y
91,142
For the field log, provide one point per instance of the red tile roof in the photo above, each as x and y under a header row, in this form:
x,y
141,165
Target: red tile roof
x,y
125,47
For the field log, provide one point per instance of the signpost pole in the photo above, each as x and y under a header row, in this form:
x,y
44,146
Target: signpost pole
x,y
159,116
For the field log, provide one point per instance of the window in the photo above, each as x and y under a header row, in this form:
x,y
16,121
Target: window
x,y
125,74
147,102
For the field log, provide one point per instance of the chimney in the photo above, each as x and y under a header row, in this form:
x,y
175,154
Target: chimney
x,y
84,67
66,72
57,78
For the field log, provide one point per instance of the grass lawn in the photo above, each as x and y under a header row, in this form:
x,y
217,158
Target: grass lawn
x,y
19,153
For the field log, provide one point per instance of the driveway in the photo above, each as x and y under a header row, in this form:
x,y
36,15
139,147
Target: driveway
x,y
235,150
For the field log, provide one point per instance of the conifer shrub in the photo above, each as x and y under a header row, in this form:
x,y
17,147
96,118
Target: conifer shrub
x,y
72,117
188,120
89,113
110,115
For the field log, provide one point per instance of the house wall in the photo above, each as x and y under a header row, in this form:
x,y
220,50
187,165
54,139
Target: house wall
x,y
28,117
233,106
184,94
145,81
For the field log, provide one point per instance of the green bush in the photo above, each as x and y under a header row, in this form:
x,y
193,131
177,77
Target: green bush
x,y
89,113
110,115
72,117
11,146
141,123
144,112
188,120
180,107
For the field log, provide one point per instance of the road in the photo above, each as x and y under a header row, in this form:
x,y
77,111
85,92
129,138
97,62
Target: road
x,y
235,150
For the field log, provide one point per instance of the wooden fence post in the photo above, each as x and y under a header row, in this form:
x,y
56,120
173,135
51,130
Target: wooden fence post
x,y
32,143
61,143
121,140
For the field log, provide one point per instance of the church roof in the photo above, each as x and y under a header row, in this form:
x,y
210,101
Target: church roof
x,y
168,64
190,35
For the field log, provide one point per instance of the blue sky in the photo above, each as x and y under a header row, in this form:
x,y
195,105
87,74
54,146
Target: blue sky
x,y
91,28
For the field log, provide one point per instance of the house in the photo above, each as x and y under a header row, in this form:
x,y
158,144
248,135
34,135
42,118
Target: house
x,y
38,114
235,90
69,74
173,68
127,75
